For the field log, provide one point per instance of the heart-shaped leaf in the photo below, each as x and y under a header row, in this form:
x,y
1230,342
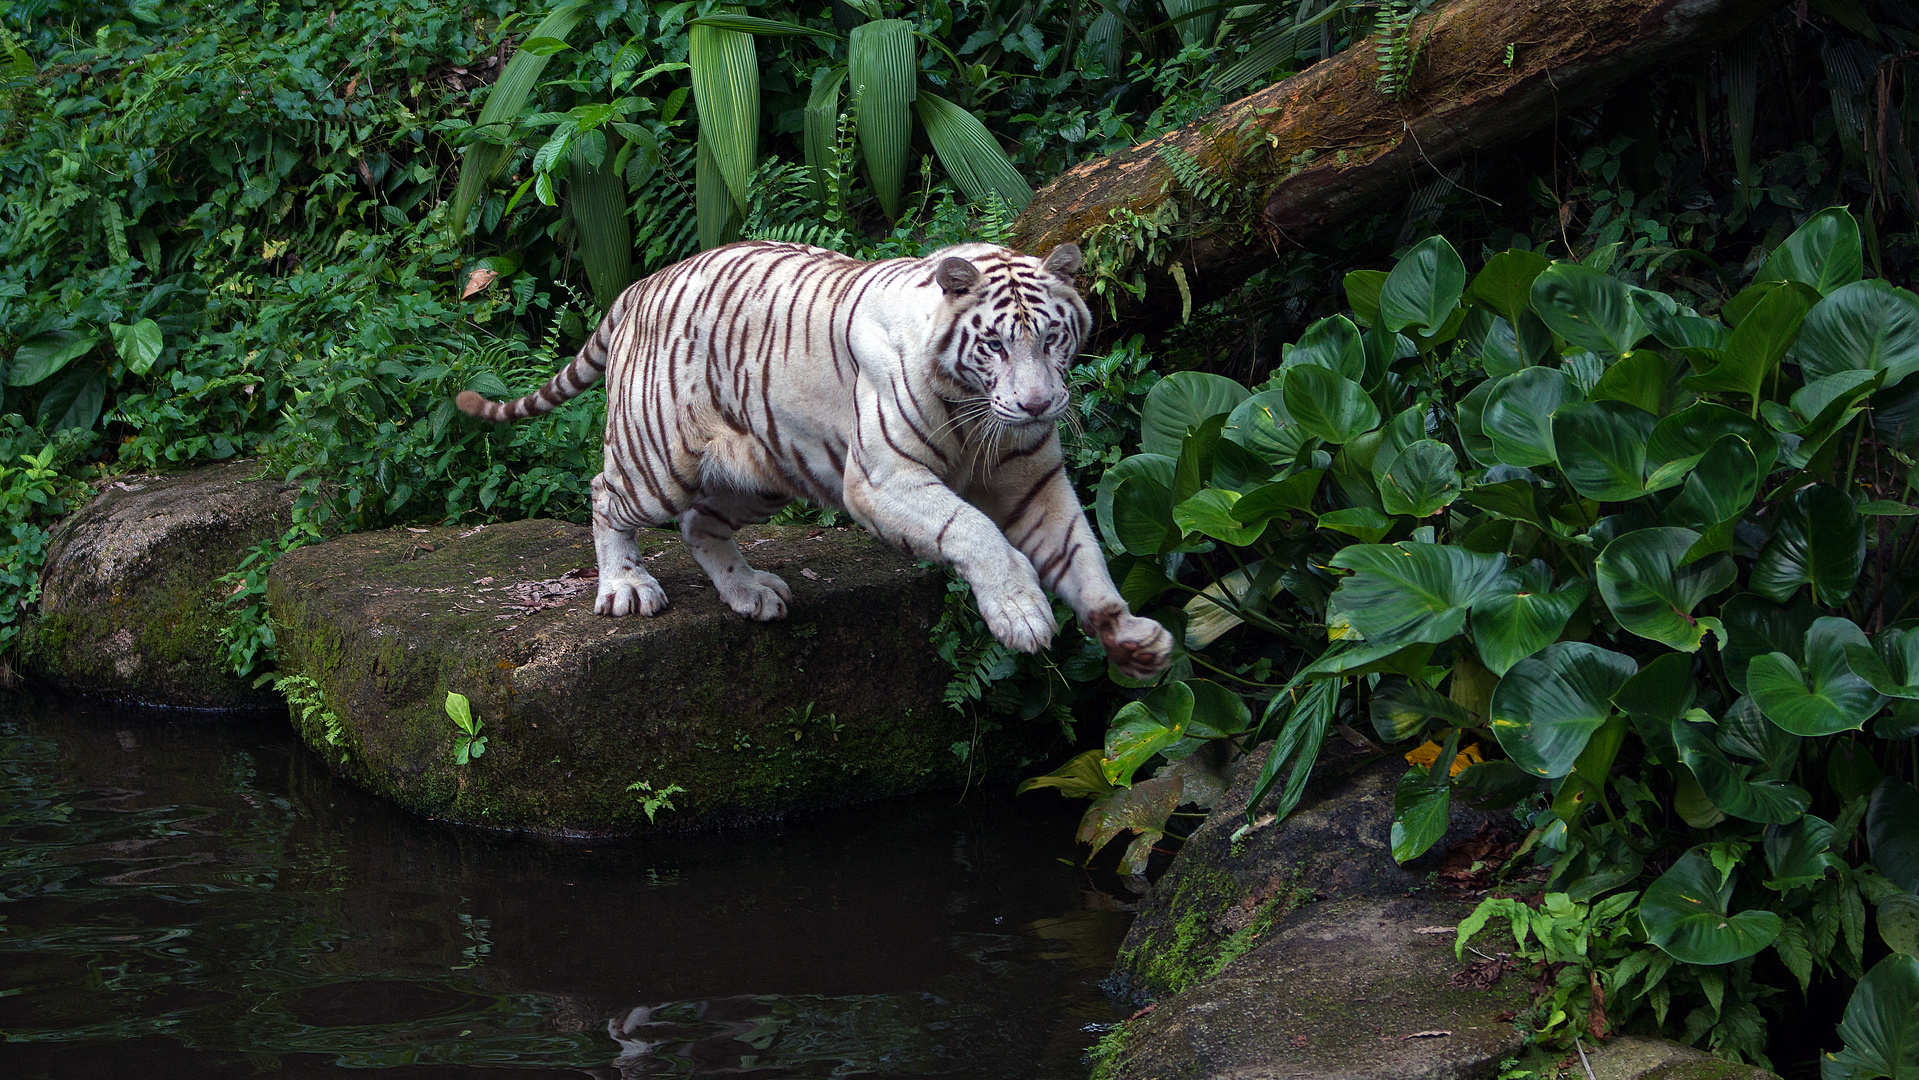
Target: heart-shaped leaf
x,y
1400,708
1799,852
1756,626
1262,424
1754,348
1422,805
1328,405
1423,288
1080,778
1898,921
1641,377
1727,785
1891,665
45,353
1505,285
1514,622
1881,1025
1156,467
1210,512
1548,705
1590,309
1822,697
1720,488
1824,253
139,344
1692,431
1422,480
1142,516
1892,832
1652,590
1179,403
1518,415
1293,494
1333,343
1413,592
1820,540
1362,294
1865,326
1685,913
1601,447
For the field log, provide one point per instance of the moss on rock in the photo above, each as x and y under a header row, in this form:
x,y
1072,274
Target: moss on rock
x,y
131,607
840,702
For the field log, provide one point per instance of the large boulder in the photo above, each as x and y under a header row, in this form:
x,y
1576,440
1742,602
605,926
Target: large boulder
x,y
840,702
130,601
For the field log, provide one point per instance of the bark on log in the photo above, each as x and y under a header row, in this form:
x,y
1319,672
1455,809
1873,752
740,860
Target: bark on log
x,y
1318,149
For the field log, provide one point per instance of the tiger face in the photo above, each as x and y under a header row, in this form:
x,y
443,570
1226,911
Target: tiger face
x,y
1014,332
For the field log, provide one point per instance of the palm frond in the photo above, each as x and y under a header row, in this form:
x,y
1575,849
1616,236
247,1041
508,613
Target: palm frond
x,y
882,63
481,160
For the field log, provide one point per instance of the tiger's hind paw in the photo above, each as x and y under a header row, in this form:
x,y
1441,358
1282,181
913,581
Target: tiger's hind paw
x,y
764,598
629,596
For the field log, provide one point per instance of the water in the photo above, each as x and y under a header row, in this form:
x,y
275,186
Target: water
x,y
199,898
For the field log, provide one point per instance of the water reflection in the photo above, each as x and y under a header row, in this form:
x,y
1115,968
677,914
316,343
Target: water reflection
x,y
188,897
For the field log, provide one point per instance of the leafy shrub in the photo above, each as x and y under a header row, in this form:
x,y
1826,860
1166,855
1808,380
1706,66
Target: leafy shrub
x,y
1663,561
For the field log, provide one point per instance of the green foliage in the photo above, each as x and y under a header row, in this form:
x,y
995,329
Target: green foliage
x,y
469,743
1660,593
651,801
305,694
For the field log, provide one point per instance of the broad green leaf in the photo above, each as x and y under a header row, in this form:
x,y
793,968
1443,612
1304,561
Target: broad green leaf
x,y
1326,404
1891,665
1822,696
1142,809
1364,522
1332,342
1303,722
1295,494
1824,253
480,161
1652,590
1892,832
1756,626
1143,728
597,200
1261,424
1820,540
1548,705
44,354
1588,308
717,218
75,399
1210,511
1423,288
1898,921
1685,913
1527,615
1518,415
1865,326
1413,592
460,710
1720,488
1693,430
969,153
820,122
1422,804
1823,404
1657,697
1641,378
1142,512
1799,852
1181,402
139,345
1400,708
882,64
1422,480
726,91
1494,785
1755,347
1080,778
1881,1026
1771,802
1157,467
1506,284
1601,447
1363,288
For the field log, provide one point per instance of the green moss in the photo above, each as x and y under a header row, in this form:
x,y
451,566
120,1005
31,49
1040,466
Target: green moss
x,y
1108,1054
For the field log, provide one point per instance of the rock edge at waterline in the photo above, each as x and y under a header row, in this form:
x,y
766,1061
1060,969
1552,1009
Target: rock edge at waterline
x,y
838,703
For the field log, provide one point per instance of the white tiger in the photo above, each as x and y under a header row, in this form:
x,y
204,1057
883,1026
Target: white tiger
x,y
920,395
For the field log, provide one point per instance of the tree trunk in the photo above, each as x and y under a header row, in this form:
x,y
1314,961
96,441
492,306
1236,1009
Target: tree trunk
x,y
1306,155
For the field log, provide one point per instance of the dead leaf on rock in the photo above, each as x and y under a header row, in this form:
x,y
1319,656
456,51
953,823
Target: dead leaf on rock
x,y
1481,974
531,596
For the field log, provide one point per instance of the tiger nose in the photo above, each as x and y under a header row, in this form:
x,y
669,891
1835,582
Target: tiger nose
x,y
1036,407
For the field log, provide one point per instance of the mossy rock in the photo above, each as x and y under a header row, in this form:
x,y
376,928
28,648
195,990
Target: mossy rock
x,y
1352,989
131,605
838,703
1229,884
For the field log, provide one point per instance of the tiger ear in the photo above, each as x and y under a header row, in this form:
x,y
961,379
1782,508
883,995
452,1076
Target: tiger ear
x,y
1063,261
956,275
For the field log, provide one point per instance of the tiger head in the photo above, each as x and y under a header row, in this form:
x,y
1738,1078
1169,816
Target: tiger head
x,y
1016,325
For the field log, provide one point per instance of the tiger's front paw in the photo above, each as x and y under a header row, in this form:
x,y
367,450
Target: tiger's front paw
x,y
763,598
629,595
1020,617
1140,648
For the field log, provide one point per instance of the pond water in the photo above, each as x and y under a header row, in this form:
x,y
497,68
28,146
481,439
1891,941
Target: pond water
x,y
192,897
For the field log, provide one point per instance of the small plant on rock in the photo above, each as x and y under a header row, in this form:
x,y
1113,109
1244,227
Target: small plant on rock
x,y
470,743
